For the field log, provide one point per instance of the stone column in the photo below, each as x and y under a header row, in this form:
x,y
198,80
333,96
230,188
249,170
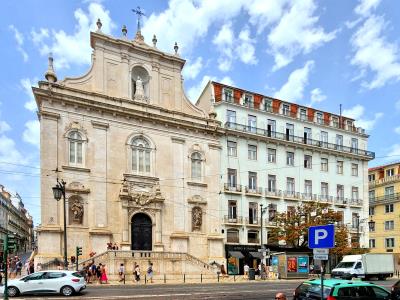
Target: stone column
x,y
125,225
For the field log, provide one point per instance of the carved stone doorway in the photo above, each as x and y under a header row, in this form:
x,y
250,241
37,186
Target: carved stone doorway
x,y
141,232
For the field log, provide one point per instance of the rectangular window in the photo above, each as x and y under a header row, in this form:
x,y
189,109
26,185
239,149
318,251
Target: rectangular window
x,y
232,209
389,172
252,152
232,177
308,188
252,181
308,161
354,193
339,167
232,236
324,190
290,158
252,123
324,139
248,100
372,243
354,169
354,145
268,105
324,164
252,237
371,227
228,95
290,185
231,116
389,242
354,220
335,122
289,132
271,128
389,208
371,195
253,213
340,192
272,209
371,211
339,142
285,109
303,114
307,137
271,183
232,148
271,155
389,225
72,152
371,177
320,119
389,192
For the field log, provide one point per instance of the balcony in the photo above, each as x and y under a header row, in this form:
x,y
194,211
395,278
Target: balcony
x,y
384,180
309,197
299,140
355,202
290,195
325,198
341,201
253,191
232,220
386,199
252,221
270,224
232,188
274,194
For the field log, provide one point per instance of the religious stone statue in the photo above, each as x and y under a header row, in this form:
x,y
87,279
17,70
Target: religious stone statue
x,y
197,216
139,87
77,211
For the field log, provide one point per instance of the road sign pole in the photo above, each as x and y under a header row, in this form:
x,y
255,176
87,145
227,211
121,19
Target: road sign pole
x,y
322,279
5,259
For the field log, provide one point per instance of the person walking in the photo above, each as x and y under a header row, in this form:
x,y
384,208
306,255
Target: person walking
x,y
98,273
280,296
137,271
246,271
121,272
104,278
150,272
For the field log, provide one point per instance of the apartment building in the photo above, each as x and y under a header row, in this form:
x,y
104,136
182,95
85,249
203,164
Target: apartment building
x,y
276,154
384,209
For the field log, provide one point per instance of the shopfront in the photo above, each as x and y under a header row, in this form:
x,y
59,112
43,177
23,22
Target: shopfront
x,y
291,265
239,255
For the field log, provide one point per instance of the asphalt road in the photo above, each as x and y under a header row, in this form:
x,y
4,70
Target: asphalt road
x,y
232,291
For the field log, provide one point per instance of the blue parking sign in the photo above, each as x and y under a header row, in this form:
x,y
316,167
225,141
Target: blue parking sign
x,y
321,236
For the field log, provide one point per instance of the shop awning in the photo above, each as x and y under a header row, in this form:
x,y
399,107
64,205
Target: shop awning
x,y
257,255
236,254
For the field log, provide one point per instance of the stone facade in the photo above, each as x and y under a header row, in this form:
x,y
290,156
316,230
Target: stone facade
x,y
139,159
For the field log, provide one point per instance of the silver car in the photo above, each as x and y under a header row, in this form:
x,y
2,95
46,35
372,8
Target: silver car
x,y
62,282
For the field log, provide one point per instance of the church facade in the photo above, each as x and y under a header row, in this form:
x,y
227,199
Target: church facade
x,y
141,163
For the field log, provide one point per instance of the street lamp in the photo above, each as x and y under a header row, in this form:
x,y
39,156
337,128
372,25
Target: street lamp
x,y
263,210
58,192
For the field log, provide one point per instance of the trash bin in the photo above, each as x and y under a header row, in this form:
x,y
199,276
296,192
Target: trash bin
x,y
252,274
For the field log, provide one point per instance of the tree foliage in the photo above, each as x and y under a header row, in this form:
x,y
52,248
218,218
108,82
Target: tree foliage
x,y
292,226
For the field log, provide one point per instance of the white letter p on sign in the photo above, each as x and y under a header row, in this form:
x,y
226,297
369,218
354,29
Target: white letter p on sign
x,y
320,234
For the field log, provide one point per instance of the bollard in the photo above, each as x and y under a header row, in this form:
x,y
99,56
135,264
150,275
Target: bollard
x,y
184,278
145,279
201,277
218,276
124,278
234,278
165,279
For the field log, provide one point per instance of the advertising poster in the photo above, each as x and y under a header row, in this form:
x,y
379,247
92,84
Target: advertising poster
x,y
302,264
274,264
292,264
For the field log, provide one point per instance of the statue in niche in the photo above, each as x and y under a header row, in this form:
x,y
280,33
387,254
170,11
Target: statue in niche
x,y
197,218
139,87
76,210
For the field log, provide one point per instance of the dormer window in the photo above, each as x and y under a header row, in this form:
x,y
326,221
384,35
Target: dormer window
x,y
335,122
349,124
227,95
303,114
285,109
268,105
248,100
320,119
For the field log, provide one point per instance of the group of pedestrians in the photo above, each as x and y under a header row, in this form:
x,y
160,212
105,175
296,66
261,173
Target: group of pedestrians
x,y
95,273
136,272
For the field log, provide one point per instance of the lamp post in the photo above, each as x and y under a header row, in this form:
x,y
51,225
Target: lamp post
x,y
358,231
261,240
58,192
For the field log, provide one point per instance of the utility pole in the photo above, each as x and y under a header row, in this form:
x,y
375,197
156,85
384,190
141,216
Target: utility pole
x,y
5,268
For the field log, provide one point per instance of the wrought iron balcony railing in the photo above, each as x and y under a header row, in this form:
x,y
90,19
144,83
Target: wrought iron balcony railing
x,y
253,190
233,219
233,187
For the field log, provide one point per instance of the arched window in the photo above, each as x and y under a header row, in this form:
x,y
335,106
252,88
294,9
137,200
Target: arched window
x,y
75,141
196,165
140,155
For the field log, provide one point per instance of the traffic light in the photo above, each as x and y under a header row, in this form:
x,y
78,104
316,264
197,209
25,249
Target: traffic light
x,y
12,244
78,251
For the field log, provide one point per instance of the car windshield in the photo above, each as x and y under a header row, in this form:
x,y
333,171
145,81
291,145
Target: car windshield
x,y
313,289
345,264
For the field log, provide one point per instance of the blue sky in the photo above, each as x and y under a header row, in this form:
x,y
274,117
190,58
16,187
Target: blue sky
x,y
318,53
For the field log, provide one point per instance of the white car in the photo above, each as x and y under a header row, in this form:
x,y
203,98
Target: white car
x,y
47,282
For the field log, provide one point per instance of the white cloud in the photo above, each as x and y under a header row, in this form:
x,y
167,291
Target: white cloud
x,y
195,91
357,113
191,70
224,40
75,48
4,127
316,96
397,130
31,133
293,89
27,84
373,53
246,50
394,151
19,37
365,6
297,32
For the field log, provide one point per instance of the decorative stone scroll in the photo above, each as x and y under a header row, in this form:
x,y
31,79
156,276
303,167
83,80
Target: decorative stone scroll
x,y
141,194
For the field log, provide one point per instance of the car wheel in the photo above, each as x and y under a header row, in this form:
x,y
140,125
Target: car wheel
x,y
12,291
67,291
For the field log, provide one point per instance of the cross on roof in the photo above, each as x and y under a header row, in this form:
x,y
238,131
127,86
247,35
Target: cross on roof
x,y
139,14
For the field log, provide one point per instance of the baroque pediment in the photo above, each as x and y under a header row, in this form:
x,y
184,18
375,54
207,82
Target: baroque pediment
x,y
141,192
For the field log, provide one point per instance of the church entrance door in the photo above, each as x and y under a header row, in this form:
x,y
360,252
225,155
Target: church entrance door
x,y
141,228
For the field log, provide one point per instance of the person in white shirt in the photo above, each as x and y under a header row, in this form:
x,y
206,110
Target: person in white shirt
x,y
246,271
